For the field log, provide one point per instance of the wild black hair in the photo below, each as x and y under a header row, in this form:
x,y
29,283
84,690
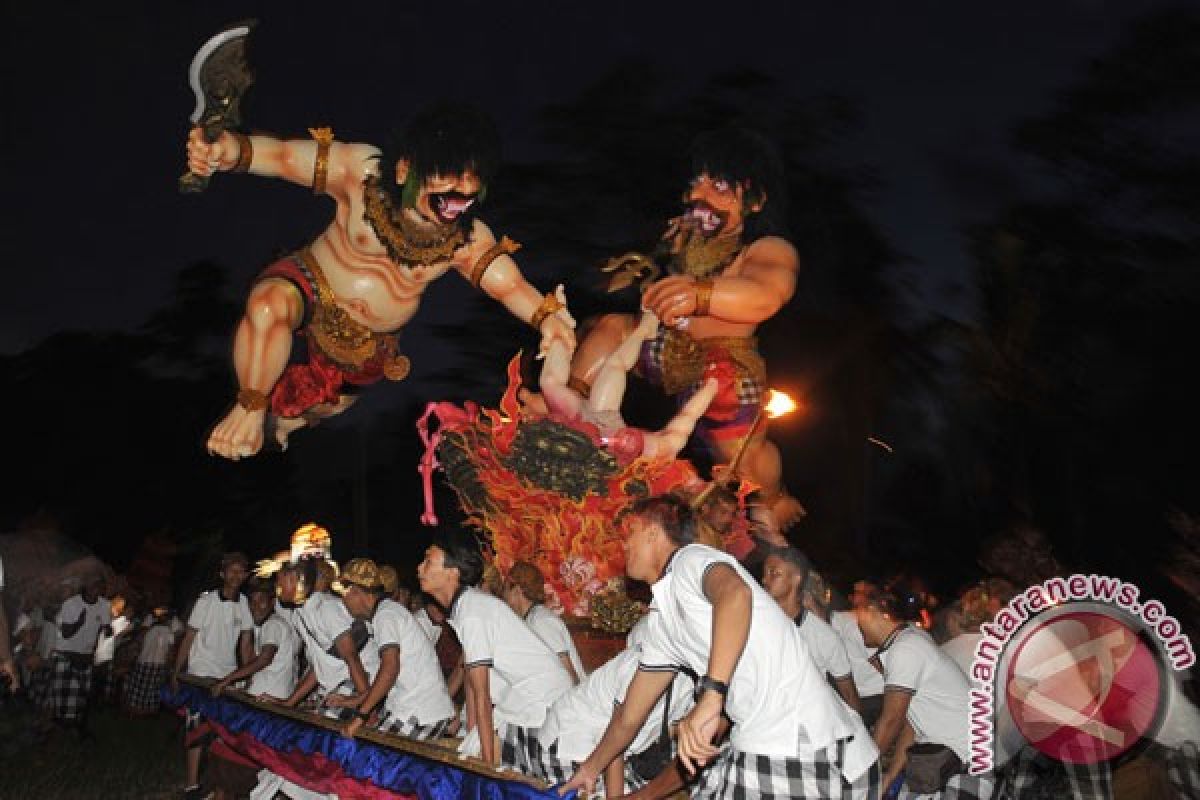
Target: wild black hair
x,y
444,139
670,513
744,157
460,551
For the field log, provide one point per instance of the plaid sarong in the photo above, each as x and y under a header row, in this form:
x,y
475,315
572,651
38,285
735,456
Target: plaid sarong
x,y
70,685
959,787
1032,775
1183,769
143,685
412,728
315,703
736,775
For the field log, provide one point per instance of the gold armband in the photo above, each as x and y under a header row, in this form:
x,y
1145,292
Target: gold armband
x,y
324,138
252,399
549,306
245,152
704,290
505,246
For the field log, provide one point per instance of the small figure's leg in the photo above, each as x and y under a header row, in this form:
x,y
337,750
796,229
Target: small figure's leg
x,y
286,426
608,388
604,336
670,440
557,396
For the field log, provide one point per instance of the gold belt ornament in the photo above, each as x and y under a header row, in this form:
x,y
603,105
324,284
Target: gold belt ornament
x,y
684,358
343,339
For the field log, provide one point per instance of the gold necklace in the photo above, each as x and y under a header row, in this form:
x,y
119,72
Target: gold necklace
x,y
702,258
400,237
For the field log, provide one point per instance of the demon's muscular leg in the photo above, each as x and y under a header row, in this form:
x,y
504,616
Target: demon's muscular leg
x,y
261,349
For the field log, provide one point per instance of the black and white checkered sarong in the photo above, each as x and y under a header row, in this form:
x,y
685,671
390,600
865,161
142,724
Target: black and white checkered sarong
x,y
412,728
70,685
143,685
736,775
1183,769
1032,774
959,787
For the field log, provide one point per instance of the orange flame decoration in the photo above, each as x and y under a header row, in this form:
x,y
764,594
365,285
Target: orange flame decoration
x,y
574,543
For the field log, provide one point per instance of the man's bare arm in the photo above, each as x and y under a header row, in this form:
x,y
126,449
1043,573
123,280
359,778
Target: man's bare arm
x,y
849,692
478,683
891,718
255,665
344,646
293,160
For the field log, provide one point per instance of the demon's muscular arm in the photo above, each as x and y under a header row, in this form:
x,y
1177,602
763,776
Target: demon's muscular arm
x,y
504,282
764,283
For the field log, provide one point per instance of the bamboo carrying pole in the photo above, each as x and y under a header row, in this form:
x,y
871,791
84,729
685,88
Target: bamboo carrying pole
x,y
430,751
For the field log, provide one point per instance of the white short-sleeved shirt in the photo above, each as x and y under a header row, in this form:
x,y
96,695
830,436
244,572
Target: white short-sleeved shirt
x,y
156,645
867,679
913,663
579,718
419,690
320,621
434,632
97,615
961,650
779,703
218,623
525,676
278,678
827,648
106,644
550,628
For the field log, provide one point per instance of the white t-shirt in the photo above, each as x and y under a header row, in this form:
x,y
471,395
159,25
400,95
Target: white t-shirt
x,y
434,632
320,621
218,623
550,628
827,648
97,615
779,703
419,690
578,719
278,678
156,645
106,645
867,679
961,650
525,676
913,663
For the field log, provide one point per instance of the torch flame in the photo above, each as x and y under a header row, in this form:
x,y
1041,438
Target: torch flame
x,y
778,404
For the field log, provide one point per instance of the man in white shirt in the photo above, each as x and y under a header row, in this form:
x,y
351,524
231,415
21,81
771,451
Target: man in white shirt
x,y
577,720
525,593
341,665
150,672
219,634
272,670
511,676
785,577
925,697
791,735
867,680
81,620
408,682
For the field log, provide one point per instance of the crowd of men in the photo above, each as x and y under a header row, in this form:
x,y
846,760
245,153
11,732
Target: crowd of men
x,y
737,682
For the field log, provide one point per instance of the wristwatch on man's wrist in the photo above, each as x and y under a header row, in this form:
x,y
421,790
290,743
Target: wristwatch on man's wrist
x,y
708,683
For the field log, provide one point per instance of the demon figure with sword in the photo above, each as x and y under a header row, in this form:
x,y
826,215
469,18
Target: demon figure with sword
x,y
323,321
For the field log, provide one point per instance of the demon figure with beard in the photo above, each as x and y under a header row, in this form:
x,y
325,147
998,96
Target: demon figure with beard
x,y
322,322
726,274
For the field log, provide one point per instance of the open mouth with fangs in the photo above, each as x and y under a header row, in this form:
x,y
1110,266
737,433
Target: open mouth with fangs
x,y
449,206
706,218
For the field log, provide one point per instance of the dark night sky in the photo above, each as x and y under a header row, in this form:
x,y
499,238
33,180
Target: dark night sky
x,y
96,107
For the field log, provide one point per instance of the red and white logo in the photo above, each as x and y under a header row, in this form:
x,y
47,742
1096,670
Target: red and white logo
x,y
1083,687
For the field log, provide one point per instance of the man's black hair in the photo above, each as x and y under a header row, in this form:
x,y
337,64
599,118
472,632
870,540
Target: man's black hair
x,y
670,513
444,139
743,156
461,551
256,585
